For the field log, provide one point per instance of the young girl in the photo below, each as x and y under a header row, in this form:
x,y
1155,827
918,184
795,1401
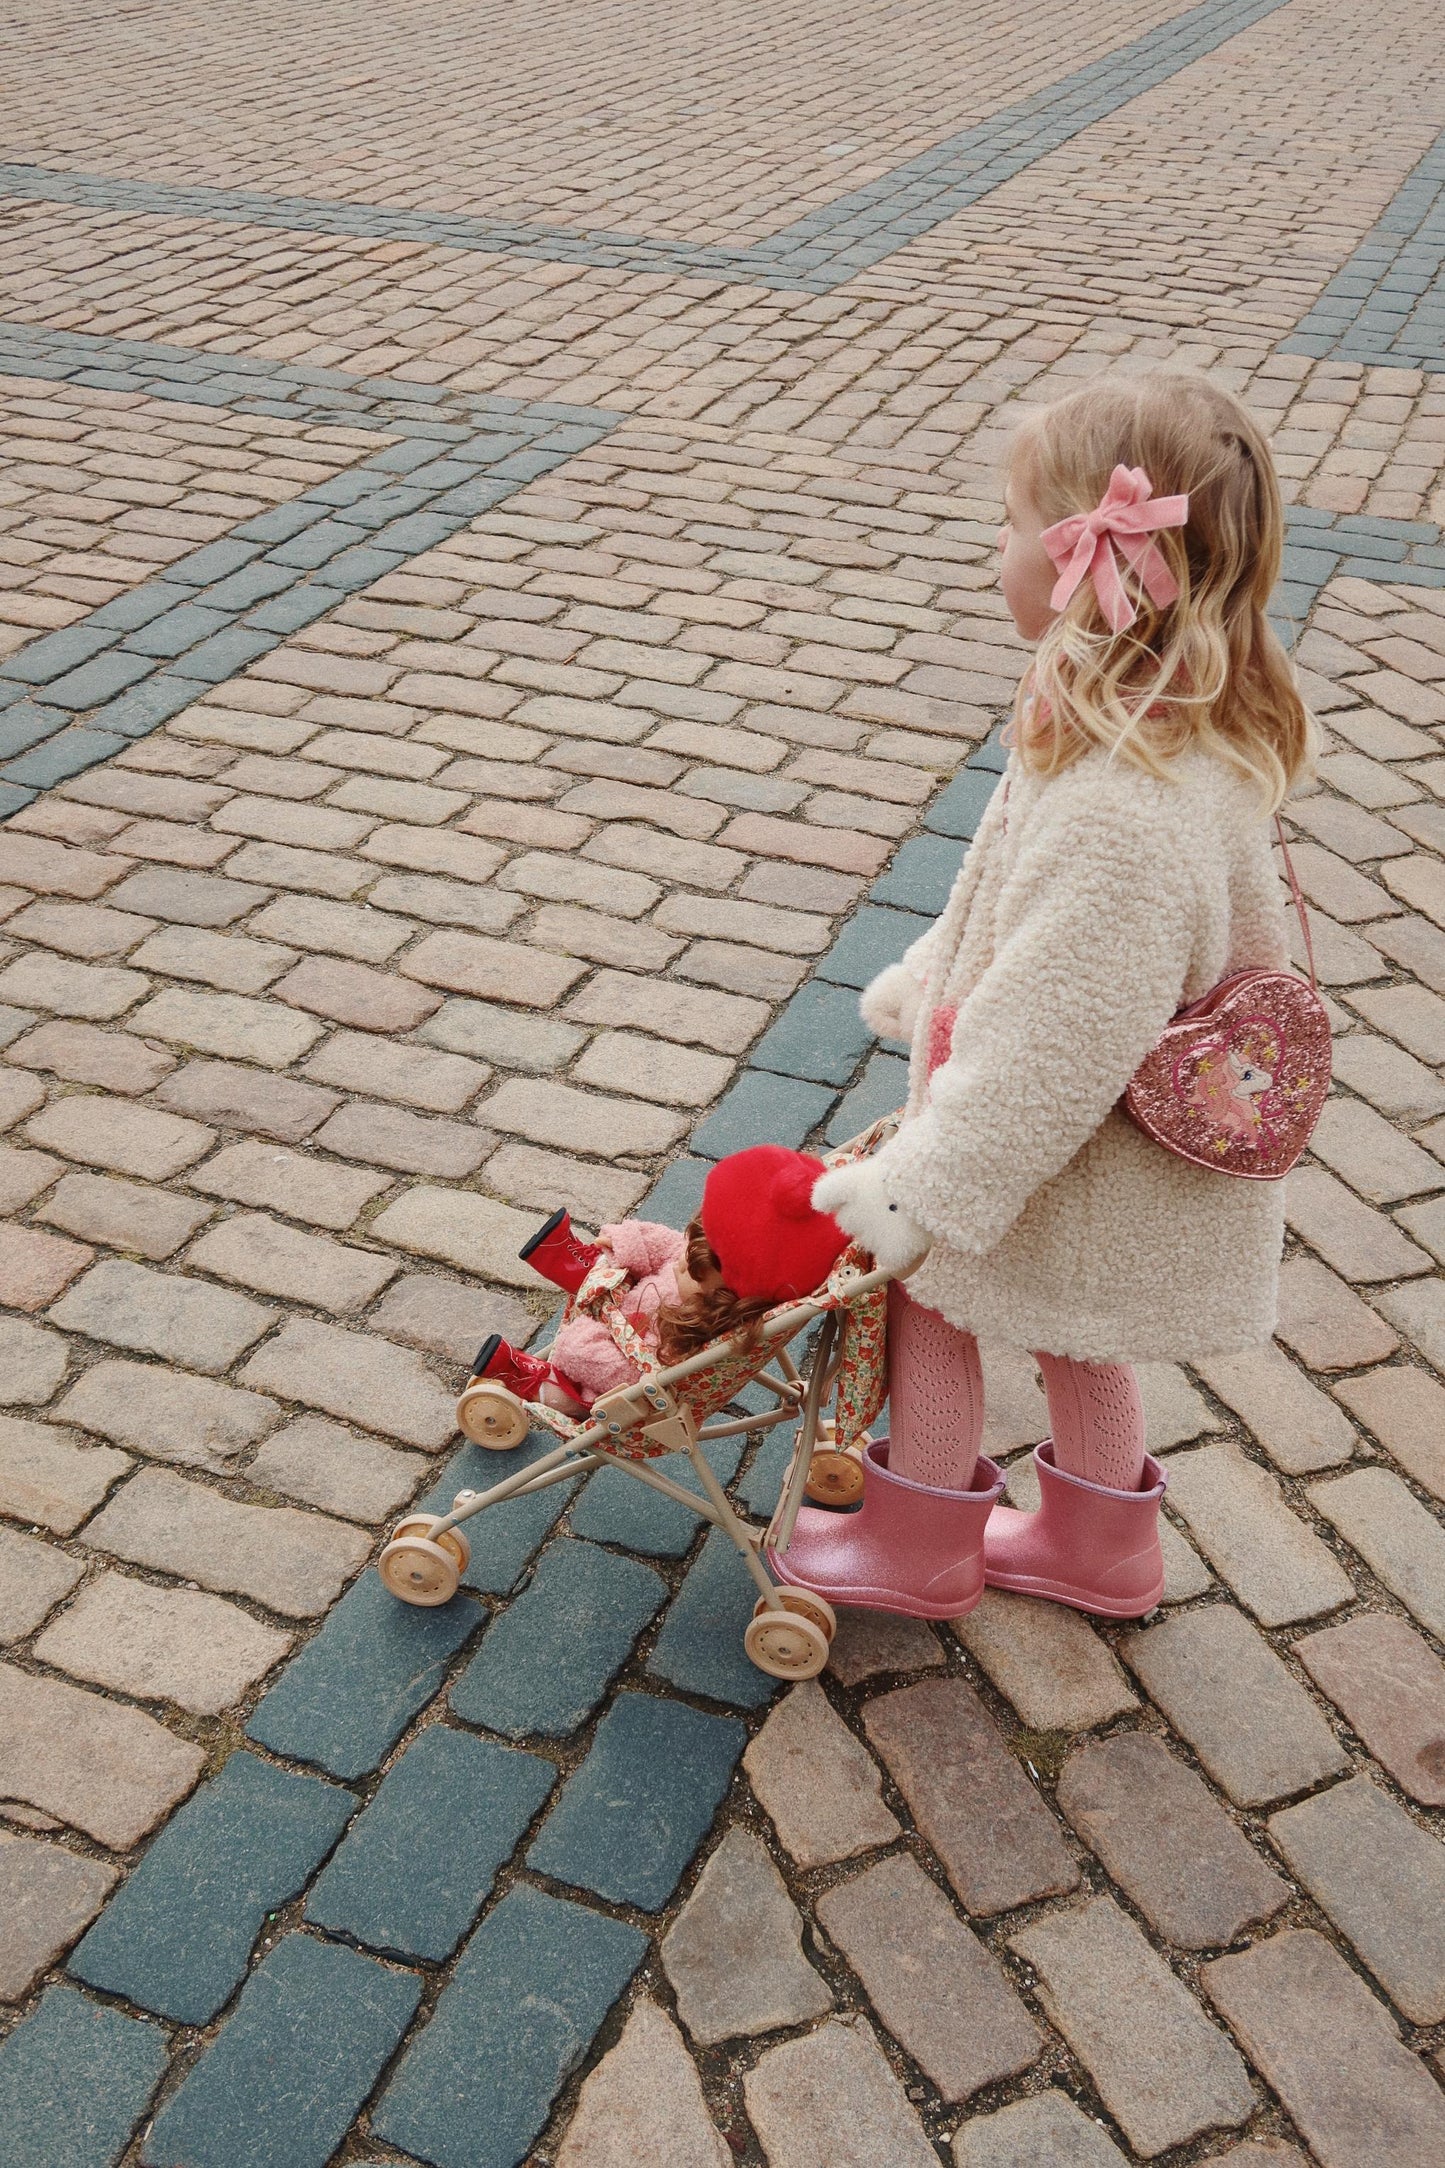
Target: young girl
x,y
1122,870
757,1241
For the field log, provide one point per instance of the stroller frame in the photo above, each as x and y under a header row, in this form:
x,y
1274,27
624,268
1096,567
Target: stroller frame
x,y
791,1628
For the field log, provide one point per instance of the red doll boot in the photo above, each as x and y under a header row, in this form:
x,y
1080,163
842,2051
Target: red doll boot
x,y
559,1255
525,1375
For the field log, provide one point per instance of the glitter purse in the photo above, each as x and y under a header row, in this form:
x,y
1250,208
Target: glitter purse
x,y
1238,1078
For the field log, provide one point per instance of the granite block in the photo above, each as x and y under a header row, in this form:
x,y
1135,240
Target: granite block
x,y
700,1647
547,1660
872,939
614,1508
177,1936
519,2013
75,2079
351,1692
281,2083
422,1859
630,1818
781,1109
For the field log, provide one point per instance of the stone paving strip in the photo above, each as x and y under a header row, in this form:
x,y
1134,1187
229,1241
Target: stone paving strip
x,y
523,840
207,1160
1387,303
815,253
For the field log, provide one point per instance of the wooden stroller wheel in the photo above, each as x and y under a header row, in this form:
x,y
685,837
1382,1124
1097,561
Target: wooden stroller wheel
x,y
786,1645
807,1603
834,1478
491,1416
418,1571
421,1568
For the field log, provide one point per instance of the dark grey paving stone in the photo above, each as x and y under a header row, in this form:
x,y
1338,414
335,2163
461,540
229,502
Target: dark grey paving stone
x,y
178,1934
547,1660
28,723
352,1691
147,705
218,559
700,1647
781,1108
1167,1841
614,1508
98,680
677,1195
171,633
992,756
422,1859
882,1089
958,809
280,2085
872,939
520,2011
761,1487
291,611
228,652
75,2079
819,1035
504,1538
56,652
632,1816
68,753
244,588
921,875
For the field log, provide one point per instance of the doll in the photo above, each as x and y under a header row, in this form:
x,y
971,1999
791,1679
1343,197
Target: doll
x,y
757,1242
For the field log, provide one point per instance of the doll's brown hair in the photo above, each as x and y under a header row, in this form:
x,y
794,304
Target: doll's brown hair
x,y
683,1328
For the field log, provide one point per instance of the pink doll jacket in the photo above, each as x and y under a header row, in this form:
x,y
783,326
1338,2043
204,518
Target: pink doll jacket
x,y
585,1350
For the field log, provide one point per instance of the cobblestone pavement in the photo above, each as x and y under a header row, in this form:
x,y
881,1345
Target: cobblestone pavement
x,y
498,641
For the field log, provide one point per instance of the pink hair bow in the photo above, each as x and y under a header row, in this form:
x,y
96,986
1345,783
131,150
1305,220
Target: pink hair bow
x,y
1127,516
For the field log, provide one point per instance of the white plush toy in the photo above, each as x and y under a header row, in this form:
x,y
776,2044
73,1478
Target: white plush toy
x,y
857,1196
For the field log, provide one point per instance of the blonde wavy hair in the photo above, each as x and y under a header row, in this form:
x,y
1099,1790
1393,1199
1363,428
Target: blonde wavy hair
x,y
1206,670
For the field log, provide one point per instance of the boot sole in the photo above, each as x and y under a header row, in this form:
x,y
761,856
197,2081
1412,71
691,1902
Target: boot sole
x,y
548,1227
893,1600
1023,1584
485,1353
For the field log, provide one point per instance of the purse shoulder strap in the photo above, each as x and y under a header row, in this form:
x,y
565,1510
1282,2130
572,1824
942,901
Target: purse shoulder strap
x,y
1299,902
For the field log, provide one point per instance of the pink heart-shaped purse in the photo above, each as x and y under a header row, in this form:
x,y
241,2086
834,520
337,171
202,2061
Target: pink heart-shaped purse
x,y
1238,1078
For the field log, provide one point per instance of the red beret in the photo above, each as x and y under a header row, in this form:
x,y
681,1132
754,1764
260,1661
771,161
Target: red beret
x,y
758,1216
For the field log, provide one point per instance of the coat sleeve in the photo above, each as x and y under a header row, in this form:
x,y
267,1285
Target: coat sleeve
x,y
1096,924
586,1352
643,1246
890,1003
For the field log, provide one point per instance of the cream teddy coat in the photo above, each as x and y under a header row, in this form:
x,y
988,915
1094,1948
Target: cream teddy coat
x,y
1087,910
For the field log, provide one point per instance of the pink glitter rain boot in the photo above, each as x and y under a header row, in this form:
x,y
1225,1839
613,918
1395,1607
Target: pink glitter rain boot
x,y
935,1396
908,1548
1093,1548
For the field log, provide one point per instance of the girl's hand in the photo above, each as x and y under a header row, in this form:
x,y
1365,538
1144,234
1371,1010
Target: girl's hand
x,y
859,1201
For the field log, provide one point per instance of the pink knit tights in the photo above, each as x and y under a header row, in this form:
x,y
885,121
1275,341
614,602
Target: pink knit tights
x,y
935,1392
1096,1415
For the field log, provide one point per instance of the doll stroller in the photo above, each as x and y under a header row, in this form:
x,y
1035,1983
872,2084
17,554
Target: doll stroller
x,y
678,1408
